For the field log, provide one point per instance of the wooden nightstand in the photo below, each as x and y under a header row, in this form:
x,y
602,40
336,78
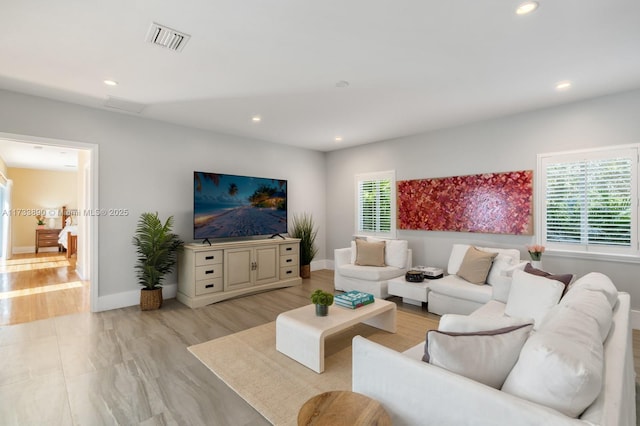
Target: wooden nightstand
x,y
47,238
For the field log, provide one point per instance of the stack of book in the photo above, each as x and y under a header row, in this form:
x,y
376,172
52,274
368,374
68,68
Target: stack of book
x,y
353,299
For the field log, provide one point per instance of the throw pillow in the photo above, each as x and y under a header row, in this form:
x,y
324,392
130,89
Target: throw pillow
x,y
369,254
532,296
486,357
563,278
475,265
561,365
395,253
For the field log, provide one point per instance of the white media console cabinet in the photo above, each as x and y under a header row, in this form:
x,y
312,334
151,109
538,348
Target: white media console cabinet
x,y
212,273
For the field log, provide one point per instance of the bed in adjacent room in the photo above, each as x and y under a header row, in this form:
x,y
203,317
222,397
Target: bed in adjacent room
x,y
68,237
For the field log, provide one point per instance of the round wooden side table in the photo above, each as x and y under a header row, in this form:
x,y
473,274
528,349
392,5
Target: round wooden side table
x,y
342,408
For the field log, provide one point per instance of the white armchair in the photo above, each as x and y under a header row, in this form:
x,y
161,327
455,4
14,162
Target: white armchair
x,y
371,279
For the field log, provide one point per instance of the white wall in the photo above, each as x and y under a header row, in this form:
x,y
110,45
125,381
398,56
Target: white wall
x,y
146,165
499,145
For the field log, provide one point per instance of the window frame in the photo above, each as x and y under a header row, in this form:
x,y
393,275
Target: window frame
x,y
376,176
594,251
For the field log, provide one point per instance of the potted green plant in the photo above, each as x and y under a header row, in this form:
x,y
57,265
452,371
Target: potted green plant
x,y
322,300
156,247
302,227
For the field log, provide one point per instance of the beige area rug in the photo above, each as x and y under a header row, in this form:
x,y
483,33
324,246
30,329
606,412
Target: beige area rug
x,y
277,386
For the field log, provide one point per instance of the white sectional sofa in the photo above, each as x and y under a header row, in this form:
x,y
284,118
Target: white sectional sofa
x,y
371,279
575,369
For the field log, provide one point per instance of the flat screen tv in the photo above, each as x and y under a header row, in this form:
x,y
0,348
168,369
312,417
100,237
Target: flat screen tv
x,y
232,206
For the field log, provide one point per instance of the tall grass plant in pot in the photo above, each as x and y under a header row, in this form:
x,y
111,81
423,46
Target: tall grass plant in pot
x,y
302,227
156,246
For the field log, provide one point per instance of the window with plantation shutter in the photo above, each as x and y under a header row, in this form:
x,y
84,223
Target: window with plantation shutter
x,y
376,204
589,201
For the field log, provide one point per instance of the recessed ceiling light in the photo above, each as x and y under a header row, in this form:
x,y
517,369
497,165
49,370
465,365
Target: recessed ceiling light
x,y
338,139
527,7
563,85
111,82
256,119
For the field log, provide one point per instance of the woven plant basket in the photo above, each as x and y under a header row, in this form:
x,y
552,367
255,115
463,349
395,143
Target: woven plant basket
x,y
150,299
305,271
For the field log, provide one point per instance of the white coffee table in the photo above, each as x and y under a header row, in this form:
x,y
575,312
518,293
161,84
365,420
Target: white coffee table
x,y
300,334
411,293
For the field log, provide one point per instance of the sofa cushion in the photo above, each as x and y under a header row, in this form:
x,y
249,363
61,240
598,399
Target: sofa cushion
x,y
370,273
369,253
532,296
596,281
455,258
492,308
500,278
593,304
473,324
395,252
561,365
486,357
475,265
454,286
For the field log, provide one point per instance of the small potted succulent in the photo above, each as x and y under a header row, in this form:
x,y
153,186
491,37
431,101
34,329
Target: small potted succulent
x,y
322,300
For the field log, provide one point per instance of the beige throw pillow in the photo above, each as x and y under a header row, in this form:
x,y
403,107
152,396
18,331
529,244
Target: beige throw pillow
x,y
369,254
476,265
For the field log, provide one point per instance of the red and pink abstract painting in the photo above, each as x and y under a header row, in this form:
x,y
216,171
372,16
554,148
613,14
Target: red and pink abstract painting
x,y
493,203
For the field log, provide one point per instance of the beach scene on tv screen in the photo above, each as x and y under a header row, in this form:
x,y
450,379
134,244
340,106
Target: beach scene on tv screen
x,y
238,206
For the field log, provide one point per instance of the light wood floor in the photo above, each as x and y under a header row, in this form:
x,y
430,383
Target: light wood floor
x,y
126,366
39,286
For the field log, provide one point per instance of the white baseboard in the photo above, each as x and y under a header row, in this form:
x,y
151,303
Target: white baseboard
x,y
131,298
317,265
32,249
635,319
23,249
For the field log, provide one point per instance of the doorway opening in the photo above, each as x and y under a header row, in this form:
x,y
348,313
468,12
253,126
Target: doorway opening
x,y
37,275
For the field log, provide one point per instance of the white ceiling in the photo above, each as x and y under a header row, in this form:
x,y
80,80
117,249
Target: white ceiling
x,y
412,65
38,156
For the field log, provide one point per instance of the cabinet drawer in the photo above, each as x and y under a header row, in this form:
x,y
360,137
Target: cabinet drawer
x,y
292,248
208,286
208,257
48,243
208,272
289,272
47,237
289,260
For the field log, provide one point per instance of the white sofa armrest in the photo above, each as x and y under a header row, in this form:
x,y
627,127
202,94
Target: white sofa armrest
x,y
414,392
342,256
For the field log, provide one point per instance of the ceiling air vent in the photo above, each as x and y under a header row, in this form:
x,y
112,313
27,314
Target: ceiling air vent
x,y
167,37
